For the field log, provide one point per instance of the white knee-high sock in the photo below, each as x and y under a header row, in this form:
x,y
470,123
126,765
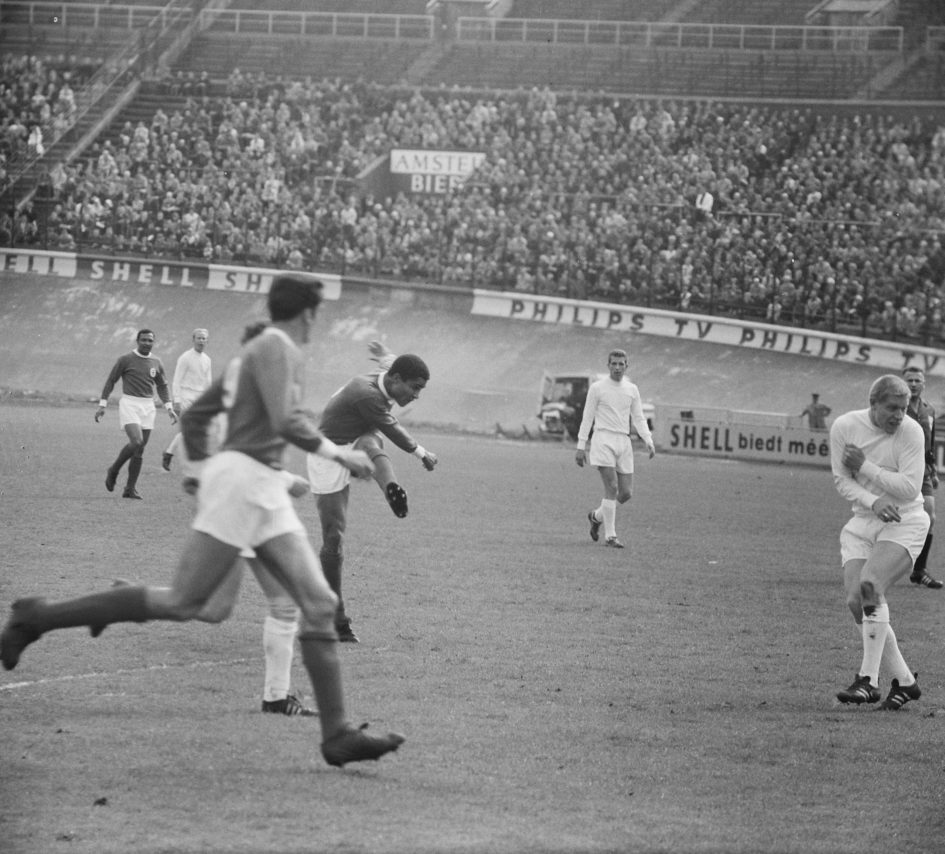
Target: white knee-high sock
x,y
278,646
894,662
174,445
875,629
608,512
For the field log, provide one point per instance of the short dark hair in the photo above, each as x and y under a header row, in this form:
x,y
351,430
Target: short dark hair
x,y
913,369
291,294
143,332
251,330
410,367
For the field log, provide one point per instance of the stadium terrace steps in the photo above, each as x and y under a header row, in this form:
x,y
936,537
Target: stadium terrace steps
x,y
381,61
763,12
602,10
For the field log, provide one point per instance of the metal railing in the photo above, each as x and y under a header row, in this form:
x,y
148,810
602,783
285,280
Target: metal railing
x,y
325,24
680,35
88,15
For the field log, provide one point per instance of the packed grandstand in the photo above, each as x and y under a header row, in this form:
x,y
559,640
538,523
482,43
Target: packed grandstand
x,y
200,144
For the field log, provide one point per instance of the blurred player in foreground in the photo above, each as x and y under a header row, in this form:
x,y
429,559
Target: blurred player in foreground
x,y
282,622
923,412
193,374
242,502
612,403
878,460
140,374
357,416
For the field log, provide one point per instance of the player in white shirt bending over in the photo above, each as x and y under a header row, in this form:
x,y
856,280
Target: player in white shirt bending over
x,y
612,403
878,461
192,377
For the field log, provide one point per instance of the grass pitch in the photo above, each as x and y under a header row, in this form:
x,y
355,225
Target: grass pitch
x,y
556,695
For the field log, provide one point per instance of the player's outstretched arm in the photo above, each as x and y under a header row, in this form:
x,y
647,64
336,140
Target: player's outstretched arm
x,y
379,350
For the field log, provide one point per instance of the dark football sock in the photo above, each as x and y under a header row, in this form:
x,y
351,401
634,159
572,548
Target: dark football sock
x,y
124,455
118,605
331,567
134,469
923,557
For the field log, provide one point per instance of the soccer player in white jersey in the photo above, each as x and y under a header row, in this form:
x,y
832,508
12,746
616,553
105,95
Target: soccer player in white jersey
x,y
878,460
612,404
192,377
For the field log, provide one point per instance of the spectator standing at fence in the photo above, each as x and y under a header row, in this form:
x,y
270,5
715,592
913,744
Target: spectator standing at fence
x,y
612,404
816,413
924,413
193,375
877,456
140,374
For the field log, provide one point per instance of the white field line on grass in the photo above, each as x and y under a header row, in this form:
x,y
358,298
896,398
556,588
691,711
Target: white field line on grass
x,y
123,671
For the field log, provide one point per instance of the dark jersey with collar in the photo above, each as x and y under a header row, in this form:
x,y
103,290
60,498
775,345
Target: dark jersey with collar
x,y
362,406
924,413
139,376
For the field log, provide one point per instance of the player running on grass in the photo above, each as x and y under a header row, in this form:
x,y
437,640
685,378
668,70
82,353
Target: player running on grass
x,y
878,460
140,373
242,503
359,415
612,403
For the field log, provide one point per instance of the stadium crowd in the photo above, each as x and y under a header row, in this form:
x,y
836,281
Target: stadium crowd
x,y
822,220
37,103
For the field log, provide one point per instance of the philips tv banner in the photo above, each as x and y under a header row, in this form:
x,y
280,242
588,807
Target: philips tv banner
x,y
426,171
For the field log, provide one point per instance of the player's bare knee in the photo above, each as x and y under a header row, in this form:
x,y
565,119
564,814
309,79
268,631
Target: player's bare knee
x,y
185,611
371,445
215,612
319,617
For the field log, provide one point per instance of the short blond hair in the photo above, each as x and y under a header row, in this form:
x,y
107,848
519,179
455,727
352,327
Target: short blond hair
x,y
888,385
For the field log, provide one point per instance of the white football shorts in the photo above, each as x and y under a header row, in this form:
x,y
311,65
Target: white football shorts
x,y
612,450
136,410
326,476
861,533
243,502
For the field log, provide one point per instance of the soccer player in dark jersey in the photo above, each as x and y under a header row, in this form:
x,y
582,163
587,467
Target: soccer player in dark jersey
x,y
359,415
242,503
140,374
922,411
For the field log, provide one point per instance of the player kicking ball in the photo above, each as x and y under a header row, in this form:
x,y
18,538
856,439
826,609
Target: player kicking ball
x,y
242,503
